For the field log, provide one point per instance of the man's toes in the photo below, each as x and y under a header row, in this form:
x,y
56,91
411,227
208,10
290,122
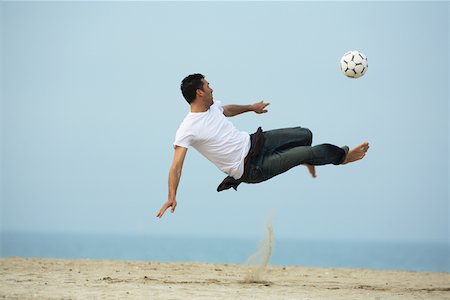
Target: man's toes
x,y
364,147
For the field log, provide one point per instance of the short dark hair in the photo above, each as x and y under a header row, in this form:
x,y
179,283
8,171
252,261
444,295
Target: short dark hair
x,y
189,86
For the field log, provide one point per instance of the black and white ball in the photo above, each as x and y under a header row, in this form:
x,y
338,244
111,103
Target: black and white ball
x,y
354,64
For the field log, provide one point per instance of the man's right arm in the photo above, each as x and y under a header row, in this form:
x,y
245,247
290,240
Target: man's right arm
x,y
174,179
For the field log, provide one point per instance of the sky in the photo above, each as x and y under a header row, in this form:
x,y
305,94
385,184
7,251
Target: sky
x,y
90,103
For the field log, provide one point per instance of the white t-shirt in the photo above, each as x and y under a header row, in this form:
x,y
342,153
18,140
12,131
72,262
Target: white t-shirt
x,y
216,138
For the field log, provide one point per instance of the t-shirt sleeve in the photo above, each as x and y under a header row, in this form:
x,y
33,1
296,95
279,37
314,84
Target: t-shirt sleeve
x,y
182,138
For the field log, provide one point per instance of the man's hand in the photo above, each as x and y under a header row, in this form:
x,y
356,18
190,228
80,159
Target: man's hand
x,y
259,107
169,203
174,179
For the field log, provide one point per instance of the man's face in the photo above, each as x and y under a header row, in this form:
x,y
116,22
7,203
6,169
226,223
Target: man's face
x,y
207,93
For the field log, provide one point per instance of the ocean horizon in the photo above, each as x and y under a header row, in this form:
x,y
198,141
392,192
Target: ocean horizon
x,y
410,256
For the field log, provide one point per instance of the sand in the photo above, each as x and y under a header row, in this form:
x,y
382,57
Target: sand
x,y
259,260
25,278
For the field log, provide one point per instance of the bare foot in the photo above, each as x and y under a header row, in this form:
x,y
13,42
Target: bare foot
x,y
312,170
356,153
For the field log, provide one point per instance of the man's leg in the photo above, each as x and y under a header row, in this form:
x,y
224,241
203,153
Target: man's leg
x,y
285,138
278,162
279,158
289,147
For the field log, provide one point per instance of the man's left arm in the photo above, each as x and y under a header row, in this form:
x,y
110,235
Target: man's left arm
x,y
233,109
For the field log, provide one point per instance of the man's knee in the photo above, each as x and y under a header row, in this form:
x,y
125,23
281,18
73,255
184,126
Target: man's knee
x,y
308,134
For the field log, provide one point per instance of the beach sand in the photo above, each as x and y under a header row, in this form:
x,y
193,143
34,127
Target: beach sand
x,y
25,278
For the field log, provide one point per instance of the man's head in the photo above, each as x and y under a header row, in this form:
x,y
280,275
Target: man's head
x,y
195,86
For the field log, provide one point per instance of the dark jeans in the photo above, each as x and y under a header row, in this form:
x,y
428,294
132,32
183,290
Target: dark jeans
x,y
289,147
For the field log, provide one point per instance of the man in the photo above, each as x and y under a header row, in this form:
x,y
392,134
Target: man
x,y
245,158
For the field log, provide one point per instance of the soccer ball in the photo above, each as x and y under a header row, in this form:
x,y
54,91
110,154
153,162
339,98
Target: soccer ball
x,y
354,64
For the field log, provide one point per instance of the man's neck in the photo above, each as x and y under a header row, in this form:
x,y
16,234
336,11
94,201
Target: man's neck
x,y
197,108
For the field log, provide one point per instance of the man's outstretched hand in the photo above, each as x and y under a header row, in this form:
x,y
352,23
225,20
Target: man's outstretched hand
x,y
169,203
260,107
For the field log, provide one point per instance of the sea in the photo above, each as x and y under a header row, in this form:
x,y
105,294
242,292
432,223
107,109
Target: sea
x,y
410,256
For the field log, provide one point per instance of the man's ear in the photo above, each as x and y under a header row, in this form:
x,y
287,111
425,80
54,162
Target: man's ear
x,y
199,92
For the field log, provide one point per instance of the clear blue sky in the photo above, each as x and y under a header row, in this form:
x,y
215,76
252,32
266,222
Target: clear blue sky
x,y
90,103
